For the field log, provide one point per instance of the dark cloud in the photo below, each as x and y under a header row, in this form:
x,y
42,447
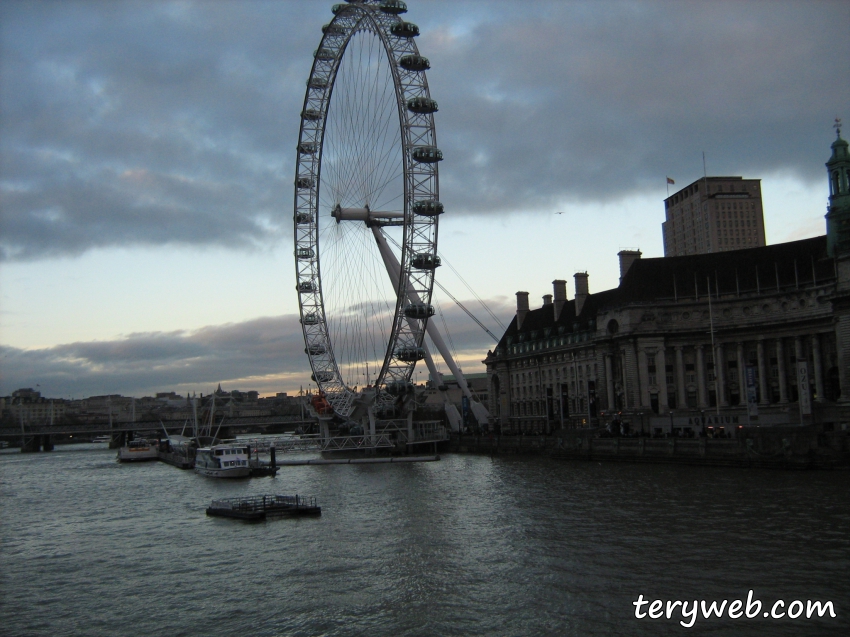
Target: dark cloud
x,y
266,354
127,123
268,351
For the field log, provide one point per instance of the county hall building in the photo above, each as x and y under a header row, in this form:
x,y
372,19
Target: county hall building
x,y
723,335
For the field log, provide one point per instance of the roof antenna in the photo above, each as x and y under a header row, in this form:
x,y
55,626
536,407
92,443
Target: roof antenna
x,y
704,173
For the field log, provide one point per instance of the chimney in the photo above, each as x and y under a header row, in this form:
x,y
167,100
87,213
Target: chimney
x,y
627,257
547,300
581,290
521,308
560,288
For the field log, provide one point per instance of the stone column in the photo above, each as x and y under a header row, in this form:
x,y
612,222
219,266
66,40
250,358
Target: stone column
x,y
681,394
817,363
720,375
763,386
783,381
701,385
632,376
643,376
842,343
661,377
609,382
798,356
742,374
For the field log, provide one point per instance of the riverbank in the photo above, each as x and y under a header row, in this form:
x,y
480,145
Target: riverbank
x,y
775,447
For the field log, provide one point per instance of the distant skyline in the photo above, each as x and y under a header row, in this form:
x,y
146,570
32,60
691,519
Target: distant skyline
x,y
147,153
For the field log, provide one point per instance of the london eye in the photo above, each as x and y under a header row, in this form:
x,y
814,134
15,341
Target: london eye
x,y
366,207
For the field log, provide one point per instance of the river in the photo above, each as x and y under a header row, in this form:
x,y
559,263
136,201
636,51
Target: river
x,y
469,545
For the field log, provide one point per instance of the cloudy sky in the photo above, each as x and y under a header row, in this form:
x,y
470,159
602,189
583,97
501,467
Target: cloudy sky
x,y
147,153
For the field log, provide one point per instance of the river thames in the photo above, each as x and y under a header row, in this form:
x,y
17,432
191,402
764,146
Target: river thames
x,y
469,545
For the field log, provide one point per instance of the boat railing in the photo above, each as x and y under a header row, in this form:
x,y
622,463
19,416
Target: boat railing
x,y
264,502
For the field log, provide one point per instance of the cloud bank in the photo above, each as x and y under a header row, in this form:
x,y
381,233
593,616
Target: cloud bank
x,y
137,123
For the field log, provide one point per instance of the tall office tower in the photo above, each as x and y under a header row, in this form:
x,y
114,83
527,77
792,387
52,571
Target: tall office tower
x,y
714,214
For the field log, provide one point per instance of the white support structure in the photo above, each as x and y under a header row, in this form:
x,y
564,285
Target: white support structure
x,y
393,269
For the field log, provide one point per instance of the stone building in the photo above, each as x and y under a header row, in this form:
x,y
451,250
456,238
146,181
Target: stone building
x,y
714,214
755,336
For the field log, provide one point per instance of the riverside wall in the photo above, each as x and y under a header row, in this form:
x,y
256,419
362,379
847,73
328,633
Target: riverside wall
x,y
800,447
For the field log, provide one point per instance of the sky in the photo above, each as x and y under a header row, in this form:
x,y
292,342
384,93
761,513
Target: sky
x,y
147,152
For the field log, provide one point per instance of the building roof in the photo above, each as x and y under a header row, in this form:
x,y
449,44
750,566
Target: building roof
x,y
762,269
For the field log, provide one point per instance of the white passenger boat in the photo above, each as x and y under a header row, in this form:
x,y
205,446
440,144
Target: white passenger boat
x,y
223,461
138,451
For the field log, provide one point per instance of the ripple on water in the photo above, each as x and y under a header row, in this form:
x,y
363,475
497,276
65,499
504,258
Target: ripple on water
x,y
465,546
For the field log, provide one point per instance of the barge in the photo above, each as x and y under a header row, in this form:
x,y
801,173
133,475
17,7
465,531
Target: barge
x,y
261,507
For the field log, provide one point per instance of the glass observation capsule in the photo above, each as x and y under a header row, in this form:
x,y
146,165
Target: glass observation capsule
x,y
419,311
427,154
414,63
393,7
410,354
404,30
422,105
425,261
427,208
398,387
306,286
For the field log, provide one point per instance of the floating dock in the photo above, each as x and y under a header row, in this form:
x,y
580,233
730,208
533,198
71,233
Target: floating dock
x,y
261,507
393,460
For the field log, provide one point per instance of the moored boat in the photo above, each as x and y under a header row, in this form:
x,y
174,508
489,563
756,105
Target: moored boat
x,y
223,461
138,451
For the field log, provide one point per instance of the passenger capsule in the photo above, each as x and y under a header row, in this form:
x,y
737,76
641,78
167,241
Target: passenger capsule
x,y
410,354
311,114
333,29
427,208
315,350
310,318
419,311
404,30
414,63
304,182
398,387
307,148
425,261
305,286
427,154
303,217
317,82
324,54
422,105
304,253
393,7
337,8
322,377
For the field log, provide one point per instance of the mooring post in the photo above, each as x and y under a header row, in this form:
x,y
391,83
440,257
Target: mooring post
x,y
272,454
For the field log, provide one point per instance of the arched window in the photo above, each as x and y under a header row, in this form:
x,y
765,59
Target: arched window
x,y
835,183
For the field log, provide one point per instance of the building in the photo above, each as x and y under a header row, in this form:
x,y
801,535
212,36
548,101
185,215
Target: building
x,y
757,335
714,214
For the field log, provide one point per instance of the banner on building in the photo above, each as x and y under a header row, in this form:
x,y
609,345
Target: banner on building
x,y
803,388
752,397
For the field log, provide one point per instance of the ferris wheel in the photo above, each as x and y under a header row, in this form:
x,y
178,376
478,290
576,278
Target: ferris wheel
x,y
366,206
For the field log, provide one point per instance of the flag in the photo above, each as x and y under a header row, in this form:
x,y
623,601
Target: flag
x,y
670,181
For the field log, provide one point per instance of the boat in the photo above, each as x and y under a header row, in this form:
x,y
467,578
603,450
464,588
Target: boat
x,y
261,507
138,451
102,439
223,461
